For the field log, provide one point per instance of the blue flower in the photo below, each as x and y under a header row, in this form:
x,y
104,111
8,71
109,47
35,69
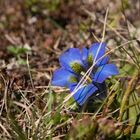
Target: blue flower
x,y
75,63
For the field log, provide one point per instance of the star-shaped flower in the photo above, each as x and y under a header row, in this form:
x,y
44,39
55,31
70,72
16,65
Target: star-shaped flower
x,y
74,65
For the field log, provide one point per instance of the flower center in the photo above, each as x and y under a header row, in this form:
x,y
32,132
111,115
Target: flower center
x,y
88,79
76,67
81,71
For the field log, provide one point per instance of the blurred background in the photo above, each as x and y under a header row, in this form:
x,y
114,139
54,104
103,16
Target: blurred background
x,y
33,34
47,27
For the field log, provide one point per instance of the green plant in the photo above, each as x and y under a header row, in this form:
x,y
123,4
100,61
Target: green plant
x,y
18,51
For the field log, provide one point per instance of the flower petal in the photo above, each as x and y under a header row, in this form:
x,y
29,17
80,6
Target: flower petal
x,y
97,50
104,72
84,54
63,78
103,61
69,57
83,93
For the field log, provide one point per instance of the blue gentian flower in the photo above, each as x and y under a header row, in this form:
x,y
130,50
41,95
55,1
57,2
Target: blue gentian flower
x,y
75,63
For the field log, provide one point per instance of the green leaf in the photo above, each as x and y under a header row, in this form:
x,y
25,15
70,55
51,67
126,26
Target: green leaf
x,y
17,50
